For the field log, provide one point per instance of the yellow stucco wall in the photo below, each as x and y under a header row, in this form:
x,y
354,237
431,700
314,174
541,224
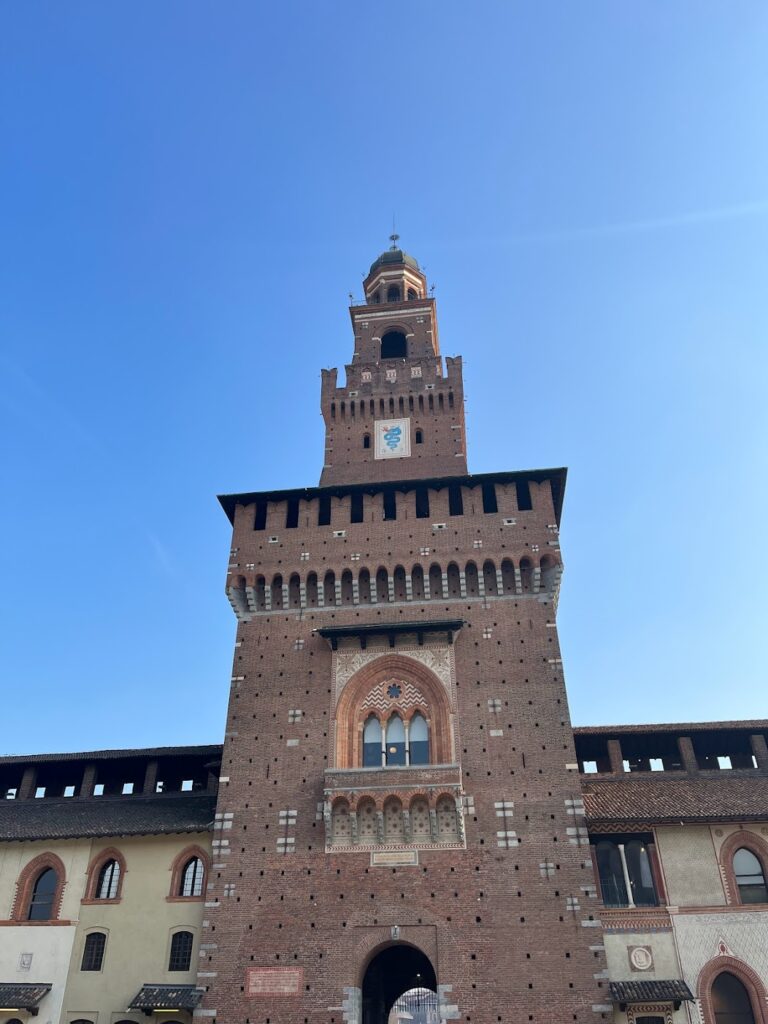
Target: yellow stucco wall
x,y
139,930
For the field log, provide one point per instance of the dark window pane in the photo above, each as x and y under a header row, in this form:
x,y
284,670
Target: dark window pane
x,y
372,744
395,741
181,952
640,874
93,952
730,1001
418,740
612,887
41,904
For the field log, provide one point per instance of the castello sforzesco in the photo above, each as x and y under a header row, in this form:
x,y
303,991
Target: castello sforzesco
x,y
400,822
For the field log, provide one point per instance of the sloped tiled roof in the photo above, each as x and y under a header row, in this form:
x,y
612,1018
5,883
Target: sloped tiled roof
x,y
104,816
680,728
650,991
211,750
22,997
167,997
665,800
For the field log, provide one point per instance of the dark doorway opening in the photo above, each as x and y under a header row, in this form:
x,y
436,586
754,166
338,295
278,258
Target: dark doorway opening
x,y
393,972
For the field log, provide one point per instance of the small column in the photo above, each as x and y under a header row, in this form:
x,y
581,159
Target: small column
x,y
427,593
353,831
303,593
480,582
688,755
150,777
380,827
250,596
433,824
408,587
615,756
355,590
445,583
459,818
406,825
627,883
391,587
518,580
286,597
760,750
267,597
337,591
500,582
28,784
88,783
536,580
462,583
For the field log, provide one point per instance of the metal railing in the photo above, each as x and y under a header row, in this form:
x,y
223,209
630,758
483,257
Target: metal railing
x,y
389,302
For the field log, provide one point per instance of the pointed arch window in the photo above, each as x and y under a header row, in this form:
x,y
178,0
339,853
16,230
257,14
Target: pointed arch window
x,y
192,878
108,884
750,877
372,743
43,896
395,752
730,1001
418,740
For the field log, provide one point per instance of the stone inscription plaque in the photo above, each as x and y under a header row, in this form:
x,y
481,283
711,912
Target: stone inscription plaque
x,y
395,858
274,981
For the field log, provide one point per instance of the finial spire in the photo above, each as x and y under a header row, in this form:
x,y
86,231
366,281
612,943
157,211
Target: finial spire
x,y
394,237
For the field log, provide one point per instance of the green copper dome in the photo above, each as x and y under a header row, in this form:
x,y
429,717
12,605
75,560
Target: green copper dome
x,y
393,256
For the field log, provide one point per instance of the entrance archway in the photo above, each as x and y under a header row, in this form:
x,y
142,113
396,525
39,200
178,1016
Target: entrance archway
x,y
395,970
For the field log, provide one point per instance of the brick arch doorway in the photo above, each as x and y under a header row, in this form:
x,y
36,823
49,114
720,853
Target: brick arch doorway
x,y
391,972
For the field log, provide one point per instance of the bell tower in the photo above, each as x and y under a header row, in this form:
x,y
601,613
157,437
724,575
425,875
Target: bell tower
x,y
400,414
399,822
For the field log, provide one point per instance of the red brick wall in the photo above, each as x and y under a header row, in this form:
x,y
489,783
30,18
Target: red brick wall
x,y
495,927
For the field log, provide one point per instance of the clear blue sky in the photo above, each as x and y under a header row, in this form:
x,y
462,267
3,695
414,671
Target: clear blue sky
x,y
188,192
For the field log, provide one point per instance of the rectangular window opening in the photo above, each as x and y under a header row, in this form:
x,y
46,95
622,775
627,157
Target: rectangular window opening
x,y
455,501
489,498
422,503
324,510
390,504
260,517
356,508
524,502
292,514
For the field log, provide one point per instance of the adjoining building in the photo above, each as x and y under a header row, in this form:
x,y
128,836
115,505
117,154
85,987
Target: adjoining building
x,y
104,865
407,826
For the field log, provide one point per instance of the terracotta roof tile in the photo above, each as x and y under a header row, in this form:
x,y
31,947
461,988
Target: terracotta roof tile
x,y
105,816
661,800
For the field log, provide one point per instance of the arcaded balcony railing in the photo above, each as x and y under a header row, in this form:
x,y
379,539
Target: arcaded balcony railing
x,y
397,808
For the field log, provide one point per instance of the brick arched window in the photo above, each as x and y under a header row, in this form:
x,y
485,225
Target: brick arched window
x,y
189,875
731,992
39,889
744,863
393,712
105,877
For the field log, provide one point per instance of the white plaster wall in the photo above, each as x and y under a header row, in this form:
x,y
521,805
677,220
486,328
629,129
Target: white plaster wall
x,y
51,949
690,866
699,935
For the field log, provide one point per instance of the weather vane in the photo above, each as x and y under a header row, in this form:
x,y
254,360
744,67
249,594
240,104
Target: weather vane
x,y
394,237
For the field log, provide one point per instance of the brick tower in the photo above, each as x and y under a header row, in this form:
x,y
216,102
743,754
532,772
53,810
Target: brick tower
x,y
399,825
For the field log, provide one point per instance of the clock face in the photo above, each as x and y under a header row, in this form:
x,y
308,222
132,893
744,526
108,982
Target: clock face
x,y
393,439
